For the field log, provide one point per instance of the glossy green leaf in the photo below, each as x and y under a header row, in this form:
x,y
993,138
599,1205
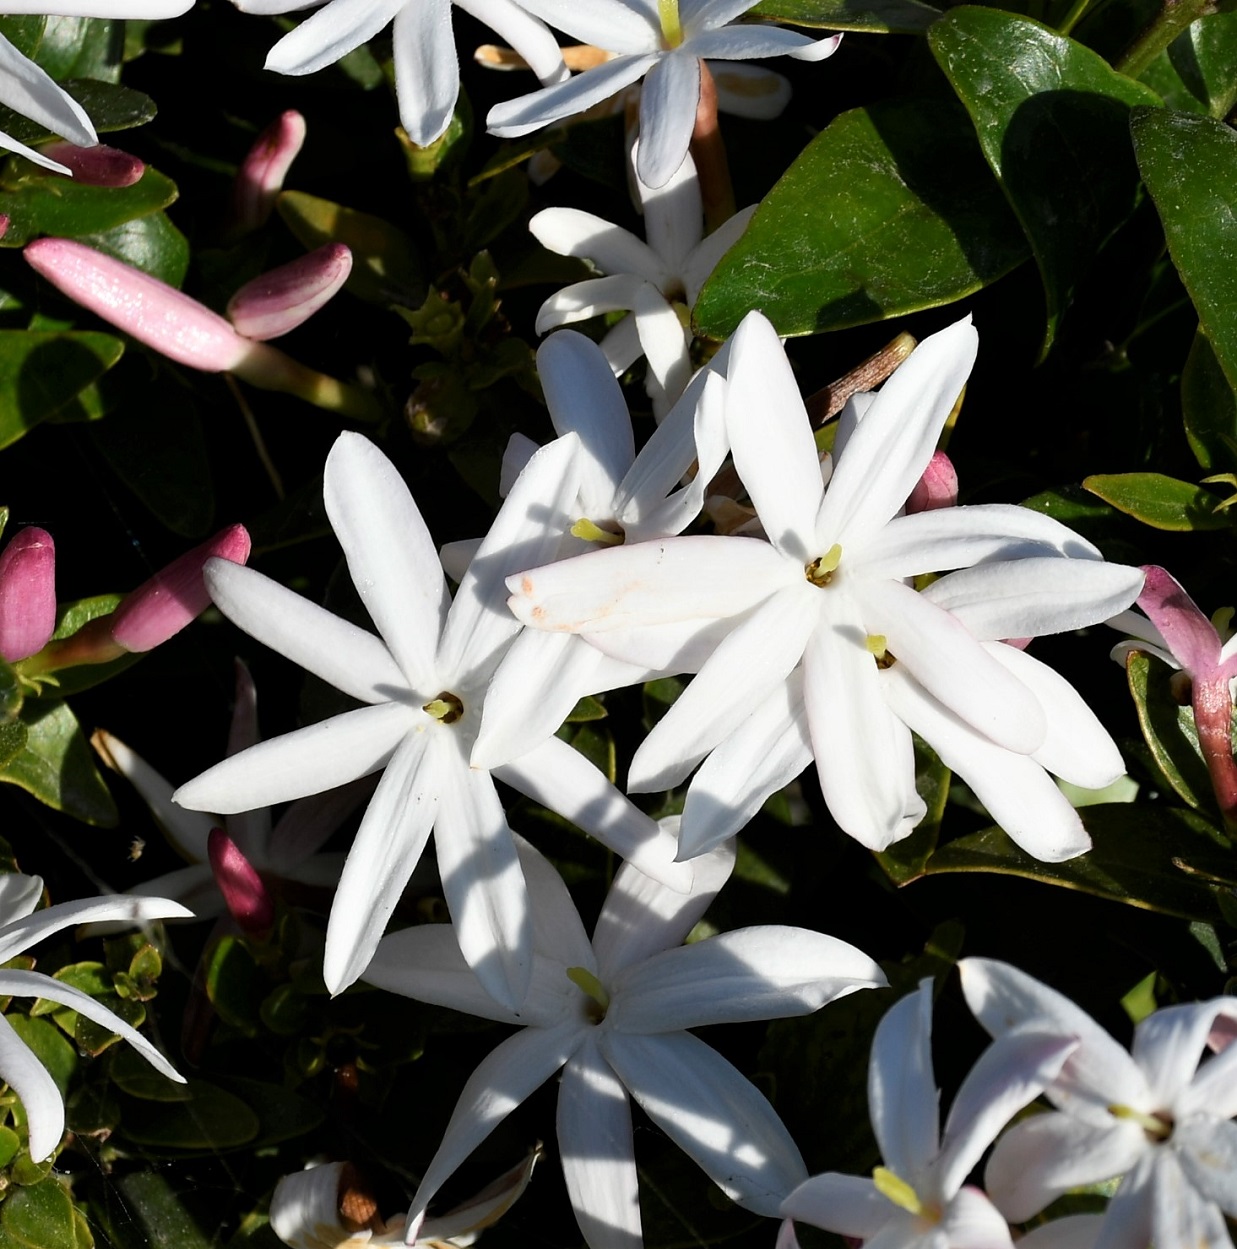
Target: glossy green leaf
x,y
235,983
875,17
165,1222
56,765
905,860
283,1115
1197,72
1209,408
50,1047
1053,121
24,31
1153,857
70,617
1159,501
385,265
42,374
10,1143
1169,730
40,202
1189,164
889,209
150,243
109,105
132,1074
82,47
210,1119
42,1216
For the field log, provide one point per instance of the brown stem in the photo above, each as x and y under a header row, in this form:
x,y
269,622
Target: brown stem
x,y
830,400
709,153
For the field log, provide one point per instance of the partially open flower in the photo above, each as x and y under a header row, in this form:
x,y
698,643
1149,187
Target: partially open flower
x,y
27,594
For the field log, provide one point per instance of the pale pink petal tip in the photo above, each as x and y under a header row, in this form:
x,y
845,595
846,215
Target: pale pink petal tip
x,y
97,166
4,224
151,311
938,487
27,594
175,595
1223,1033
276,302
261,174
243,891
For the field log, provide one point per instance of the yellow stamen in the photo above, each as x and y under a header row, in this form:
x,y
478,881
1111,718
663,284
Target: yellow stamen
x,y
586,982
671,27
1156,1128
446,708
896,1190
876,644
820,571
589,532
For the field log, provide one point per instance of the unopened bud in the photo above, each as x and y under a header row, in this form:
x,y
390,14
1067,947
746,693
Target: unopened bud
x,y
27,594
276,302
174,596
97,166
245,895
261,174
938,487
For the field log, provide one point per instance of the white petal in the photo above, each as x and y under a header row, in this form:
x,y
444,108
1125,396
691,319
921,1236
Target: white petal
x,y
504,1078
673,215
19,895
456,556
668,102
1128,1219
620,344
610,24
345,656
1168,1045
307,761
971,1221
666,343
40,1098
595,1142
750,90
741,673
846,1204
514,118
768,972
573,232
699,265
1181,1216
894,442
20,934
641,917
753,42
427,69
902,1095
771,439
1206,1149
561,778
712,1113
10,144
332,32
590,298
388,844
308,822
1214,1088
523,32
30,91
668,647
1075,1231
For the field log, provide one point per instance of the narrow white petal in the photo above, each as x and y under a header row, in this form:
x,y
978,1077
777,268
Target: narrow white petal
x,y
427,69
668,103
456,556
1214,1087
483,882
754,42
971,1221
21,934
1206,1149
573,232
40,1098
610,24
526,34
558,932
590,298
1168,1045
668,647
620,344
307,761
750,90
902,1095
32,92
345,656
10,144
388,845
1129,1217
308,822
1074,1231
666,343
702,15
19,895
699,265
673,215
521,116
846,1204
712,1113
1181,1216
595,1142
641,917
561,778
391,556
332,32
769,972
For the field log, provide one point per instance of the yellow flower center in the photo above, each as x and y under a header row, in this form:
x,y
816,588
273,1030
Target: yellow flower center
x,y
593,989
446,708
589,531
820,571
1158,1127
671,27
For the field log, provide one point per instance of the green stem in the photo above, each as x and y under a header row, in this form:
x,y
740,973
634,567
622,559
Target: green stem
x,y
270,369
1074,16
1171,20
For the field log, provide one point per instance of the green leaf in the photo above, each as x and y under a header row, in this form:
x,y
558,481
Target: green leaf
x,y
1159,501
890,209
1197,72
209,1119
40,202
132,1074
588,708
876,17
1153,857
905,860
1190,167
283,1114
24,32
56,767
109,105
50,1047
1209,408
151,243
82,47
42,374
235,983
385,266
42,1217
1053,121
164,1220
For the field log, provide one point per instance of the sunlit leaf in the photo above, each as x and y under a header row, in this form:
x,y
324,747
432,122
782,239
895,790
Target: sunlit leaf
x,y
1159,501
877,17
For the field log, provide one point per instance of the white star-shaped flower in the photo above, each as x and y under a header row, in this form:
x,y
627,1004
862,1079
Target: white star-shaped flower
x,y
663,42
20,928
1153,1116
424,683
614,1014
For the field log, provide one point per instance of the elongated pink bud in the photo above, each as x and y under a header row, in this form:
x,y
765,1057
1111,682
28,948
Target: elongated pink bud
x,y
245,895
97,166
260,177
153,312
27,594
174,596
278,301
938,487
4,224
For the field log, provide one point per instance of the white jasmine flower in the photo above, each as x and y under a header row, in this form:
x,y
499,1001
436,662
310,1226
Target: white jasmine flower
x,y
663,42
427,68
815,606
614,1014
651,279
1153,1116
20,928
916,1198
423,682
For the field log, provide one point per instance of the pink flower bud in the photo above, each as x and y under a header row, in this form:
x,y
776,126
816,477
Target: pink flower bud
x,y
260,177
27,594
97,166
153,312
174,596
938,487
278,301
245,895
4,224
